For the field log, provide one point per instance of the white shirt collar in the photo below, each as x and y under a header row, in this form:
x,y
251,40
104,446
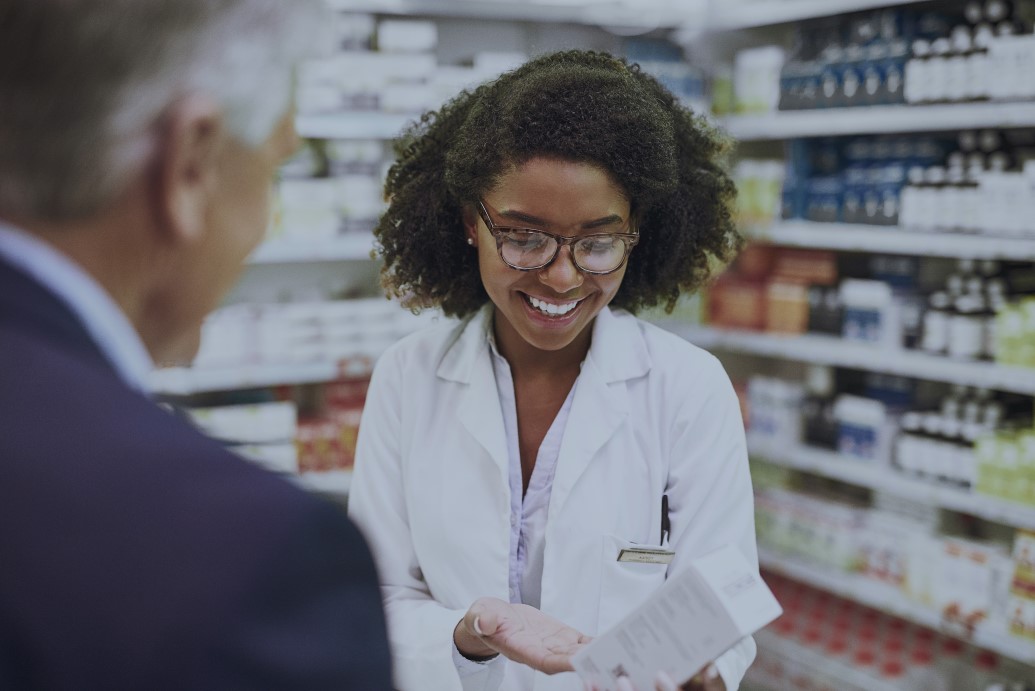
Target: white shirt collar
x,y
104,321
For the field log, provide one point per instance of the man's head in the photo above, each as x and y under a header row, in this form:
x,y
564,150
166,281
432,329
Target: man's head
x,y
140,137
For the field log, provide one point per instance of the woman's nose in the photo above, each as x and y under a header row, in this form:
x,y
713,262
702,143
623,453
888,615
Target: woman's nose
x,y
561,275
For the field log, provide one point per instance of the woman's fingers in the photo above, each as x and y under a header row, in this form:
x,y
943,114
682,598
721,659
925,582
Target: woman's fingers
x,y
625,685
663,682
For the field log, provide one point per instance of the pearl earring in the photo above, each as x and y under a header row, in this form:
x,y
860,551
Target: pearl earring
x,y
470,241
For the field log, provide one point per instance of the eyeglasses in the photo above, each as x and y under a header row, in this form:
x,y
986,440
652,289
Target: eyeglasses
x,y
527,249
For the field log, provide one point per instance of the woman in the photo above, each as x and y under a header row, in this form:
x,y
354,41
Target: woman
x,y
505,462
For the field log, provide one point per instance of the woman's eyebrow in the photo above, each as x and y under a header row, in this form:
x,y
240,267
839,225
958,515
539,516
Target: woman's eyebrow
x,y
534,220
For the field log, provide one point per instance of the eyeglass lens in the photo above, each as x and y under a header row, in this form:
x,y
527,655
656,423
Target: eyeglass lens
x,y
531,249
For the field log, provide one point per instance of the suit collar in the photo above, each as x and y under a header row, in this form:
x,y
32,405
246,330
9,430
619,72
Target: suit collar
x,y
82,298
26,305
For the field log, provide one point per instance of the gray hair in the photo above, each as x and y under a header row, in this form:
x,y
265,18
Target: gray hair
x,y
84,85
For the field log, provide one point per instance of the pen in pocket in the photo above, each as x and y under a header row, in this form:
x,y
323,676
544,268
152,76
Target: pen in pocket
x,y
665,527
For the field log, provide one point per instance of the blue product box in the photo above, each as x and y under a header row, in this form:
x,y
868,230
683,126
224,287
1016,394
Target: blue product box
x,y
893,68
856,184
796,172
898,394
857,441
824,198
898,271
890,178
928,24
861,324
799,85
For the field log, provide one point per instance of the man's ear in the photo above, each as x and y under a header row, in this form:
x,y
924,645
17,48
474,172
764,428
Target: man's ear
x,y
470,218
187,158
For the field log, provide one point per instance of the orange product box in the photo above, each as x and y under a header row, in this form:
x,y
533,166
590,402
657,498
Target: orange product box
x,y
812,267
737,303
787,308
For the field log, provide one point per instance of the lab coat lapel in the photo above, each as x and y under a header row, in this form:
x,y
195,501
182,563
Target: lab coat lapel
x,y
601,405
469,362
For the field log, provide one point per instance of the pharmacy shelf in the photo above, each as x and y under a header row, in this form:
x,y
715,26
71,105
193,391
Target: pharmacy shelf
x,y
186,381
837,352
889,599
327,482
879,120
850,676
627,13
883,479
353,246
892,240
353,125
745,14
709,15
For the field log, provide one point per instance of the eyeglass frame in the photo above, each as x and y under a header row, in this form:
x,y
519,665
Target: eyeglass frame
x,y
631,239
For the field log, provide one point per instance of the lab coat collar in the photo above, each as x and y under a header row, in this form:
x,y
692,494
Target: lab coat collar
x,y
601,405
618,350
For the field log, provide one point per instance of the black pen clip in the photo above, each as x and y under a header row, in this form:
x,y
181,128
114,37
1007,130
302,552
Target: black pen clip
x,y
665,526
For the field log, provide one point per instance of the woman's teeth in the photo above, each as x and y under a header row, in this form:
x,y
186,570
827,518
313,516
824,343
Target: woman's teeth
x,y
550,308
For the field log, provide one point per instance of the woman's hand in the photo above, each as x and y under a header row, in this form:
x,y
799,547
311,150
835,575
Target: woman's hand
x,y
519,632
707,679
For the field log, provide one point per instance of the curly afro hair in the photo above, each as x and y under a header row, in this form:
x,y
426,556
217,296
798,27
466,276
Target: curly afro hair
x,y
579,106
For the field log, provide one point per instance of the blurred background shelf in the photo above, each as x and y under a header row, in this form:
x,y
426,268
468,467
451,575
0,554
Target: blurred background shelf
x,y
880,120
852,237
621,13
729,16
879,477
186,381
888,599
827,350
334,482
353,125
354,246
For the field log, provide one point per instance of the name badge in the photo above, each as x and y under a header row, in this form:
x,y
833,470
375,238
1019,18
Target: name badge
x,y
644,555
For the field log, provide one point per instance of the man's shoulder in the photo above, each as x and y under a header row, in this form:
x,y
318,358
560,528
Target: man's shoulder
x,y
63,411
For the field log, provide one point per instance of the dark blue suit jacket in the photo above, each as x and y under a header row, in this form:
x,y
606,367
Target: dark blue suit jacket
x,y
137,554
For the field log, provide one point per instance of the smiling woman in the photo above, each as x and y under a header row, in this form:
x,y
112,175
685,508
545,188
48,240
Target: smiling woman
x,y
550,429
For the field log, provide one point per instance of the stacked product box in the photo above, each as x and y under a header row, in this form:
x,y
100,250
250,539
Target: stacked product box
x,y
301,332
827,643
965,582
982,50
767,289
327,436
262,432
854,179
859,60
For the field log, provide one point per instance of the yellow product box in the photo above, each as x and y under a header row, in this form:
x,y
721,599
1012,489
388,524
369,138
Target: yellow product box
x,y
1015,334
1021,604
1026,466
992,479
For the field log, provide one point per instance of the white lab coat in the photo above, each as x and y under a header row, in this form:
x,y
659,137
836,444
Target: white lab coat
x,y
652,415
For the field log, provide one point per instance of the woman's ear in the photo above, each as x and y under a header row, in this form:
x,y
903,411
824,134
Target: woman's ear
x,y
470,219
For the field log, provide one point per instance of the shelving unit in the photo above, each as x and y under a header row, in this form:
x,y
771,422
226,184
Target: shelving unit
x,y
828,122
881,478
186,381
828,350
849,237
851,677
706,15
732,16
353,125
627,14
889,599
334,482
354,246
